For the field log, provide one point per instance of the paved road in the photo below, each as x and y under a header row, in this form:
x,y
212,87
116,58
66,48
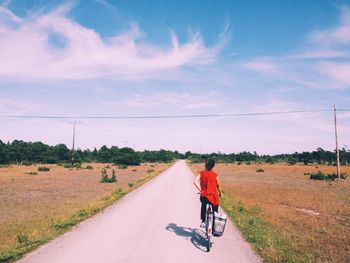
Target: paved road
x,y
158,222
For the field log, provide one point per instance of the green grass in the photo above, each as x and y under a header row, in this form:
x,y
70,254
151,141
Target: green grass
x,y
271,243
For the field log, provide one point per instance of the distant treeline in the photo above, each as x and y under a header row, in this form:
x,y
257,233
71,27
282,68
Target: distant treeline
x,y
21,152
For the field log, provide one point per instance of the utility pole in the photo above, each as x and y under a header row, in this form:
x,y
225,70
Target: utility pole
x,y
336,142
73,148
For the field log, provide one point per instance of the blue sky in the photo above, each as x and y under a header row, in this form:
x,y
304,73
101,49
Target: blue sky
x,y
129,58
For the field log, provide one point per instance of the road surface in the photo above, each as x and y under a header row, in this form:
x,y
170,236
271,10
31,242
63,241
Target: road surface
x,y
158,222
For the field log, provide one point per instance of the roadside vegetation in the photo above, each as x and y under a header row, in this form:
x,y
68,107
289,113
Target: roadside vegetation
x,y
27,153
286,216
36,207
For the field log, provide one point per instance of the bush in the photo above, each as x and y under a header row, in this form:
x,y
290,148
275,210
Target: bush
x,y
292,161
89,167
106,179
129,158
150,171
75,165
131,184
329,177
22,239
122,166
27,163
43,169
32,173
260,170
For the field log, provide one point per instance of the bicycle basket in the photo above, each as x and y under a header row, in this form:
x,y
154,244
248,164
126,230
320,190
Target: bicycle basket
x,y
219,224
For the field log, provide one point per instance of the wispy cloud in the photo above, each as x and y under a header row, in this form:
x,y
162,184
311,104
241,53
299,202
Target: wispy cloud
x,y
339,35
56,47
262,66
322,62
106,4
175,100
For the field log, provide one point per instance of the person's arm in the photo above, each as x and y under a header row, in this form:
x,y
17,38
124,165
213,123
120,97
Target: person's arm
x,y
218,186
196,182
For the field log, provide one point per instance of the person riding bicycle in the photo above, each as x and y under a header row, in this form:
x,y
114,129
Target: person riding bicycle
x,y
207,182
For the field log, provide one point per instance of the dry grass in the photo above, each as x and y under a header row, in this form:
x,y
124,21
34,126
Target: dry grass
x,y
287,199
31,205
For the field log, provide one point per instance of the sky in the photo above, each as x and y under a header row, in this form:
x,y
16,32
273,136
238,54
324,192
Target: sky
x,y
154,58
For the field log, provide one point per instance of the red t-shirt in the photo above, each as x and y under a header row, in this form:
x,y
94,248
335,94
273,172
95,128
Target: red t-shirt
x,y
208,186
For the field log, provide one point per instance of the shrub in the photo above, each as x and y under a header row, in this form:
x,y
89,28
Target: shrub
x,y
106,179
32,173
22,239
122,166
75,165
27,163
89,167
260,170
43,169
329,177
128,158
248,163
150,171
131,184
134,170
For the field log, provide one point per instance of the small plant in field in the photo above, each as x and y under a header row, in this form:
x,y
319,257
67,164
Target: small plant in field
x,y
248,163
239,163
150,171
134,170
77,166
107,167
22,239
328,177
122,166
106,179
43,169
260,170
131,184
27,163
153,165
89,167
70,166
32,173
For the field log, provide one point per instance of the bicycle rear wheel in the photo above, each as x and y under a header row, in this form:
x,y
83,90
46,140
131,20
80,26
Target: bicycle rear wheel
x,y
208,244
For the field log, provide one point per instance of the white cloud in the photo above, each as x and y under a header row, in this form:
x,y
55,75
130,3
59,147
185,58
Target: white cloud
x,y
321,63
175,100
53,46
337,73
262,66
339,35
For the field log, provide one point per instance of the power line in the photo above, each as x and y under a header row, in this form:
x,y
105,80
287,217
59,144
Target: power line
x,y
165,116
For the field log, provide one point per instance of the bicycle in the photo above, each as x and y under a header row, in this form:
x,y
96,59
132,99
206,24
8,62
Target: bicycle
x,y
209,224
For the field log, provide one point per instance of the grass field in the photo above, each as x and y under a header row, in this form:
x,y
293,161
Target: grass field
x,y
286,216
35,208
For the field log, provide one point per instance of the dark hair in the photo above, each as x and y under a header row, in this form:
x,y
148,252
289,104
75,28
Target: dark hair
x,y
209,164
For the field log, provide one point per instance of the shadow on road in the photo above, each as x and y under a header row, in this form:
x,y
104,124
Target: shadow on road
x,y
196,236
